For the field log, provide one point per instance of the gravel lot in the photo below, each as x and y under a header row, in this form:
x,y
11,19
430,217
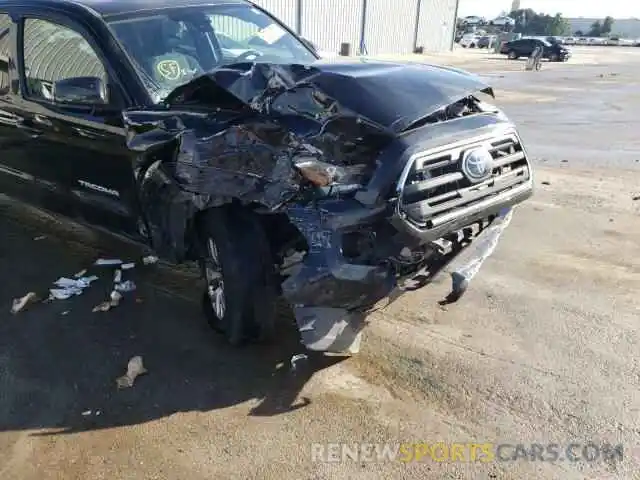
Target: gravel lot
x,y
543,348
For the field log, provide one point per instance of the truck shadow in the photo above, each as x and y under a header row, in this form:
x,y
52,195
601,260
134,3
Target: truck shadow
x,y
59,361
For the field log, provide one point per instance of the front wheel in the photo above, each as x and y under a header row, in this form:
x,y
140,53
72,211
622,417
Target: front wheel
x,y
240,290
512,55
554,57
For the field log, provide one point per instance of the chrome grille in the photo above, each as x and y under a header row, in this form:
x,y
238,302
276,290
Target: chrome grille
x,y
433,186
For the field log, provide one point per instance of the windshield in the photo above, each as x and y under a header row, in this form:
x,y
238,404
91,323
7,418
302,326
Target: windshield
x,y
172,46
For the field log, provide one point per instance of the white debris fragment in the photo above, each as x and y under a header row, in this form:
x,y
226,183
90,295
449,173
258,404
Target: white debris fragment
x,y
41,237
297,358
127,266
117,276
81,283
20,303
66,312
87,413
81,273
104,262
127,286
134,369
63,293
114,301
102,307
63,282
84,282
68,287
149,259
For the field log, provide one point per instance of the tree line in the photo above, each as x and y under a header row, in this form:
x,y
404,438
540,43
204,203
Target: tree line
x,y
529,22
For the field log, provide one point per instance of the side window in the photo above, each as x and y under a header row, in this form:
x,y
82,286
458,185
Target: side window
x,y
5,45
53,52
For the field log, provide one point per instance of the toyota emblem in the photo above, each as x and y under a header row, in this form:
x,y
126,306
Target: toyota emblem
x,y
477,164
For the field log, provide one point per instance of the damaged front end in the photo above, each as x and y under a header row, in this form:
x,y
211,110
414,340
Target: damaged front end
x,y
371,177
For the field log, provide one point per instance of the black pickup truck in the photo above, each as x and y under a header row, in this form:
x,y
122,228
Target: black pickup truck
x,y
210,132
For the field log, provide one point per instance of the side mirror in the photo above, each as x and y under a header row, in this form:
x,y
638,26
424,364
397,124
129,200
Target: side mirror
x,y
80,91
312,46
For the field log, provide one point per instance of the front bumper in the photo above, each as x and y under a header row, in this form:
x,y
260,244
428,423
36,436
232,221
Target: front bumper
x,y
335,287
332,297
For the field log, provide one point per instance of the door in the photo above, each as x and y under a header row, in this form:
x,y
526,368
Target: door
x,y
14,177
79,139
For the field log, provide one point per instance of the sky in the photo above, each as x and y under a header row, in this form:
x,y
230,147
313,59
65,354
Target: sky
x,y
568,8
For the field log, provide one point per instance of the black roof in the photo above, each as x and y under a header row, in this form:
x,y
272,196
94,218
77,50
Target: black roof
x,y
116,7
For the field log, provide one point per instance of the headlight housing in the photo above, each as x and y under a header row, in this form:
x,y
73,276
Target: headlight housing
x,y
328,175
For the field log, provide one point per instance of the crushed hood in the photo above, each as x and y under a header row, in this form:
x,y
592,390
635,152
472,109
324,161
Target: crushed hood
x,y
391,95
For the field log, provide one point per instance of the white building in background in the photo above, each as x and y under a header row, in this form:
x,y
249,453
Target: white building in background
x,y
370,26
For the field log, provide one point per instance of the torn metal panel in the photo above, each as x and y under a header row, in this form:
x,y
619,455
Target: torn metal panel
x,y
326,278
468,264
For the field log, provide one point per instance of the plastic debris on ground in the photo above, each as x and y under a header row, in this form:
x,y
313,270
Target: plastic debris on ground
x,y
126,286
135,368
298,359
114,301
87,413
127,266
69,287
150,260
117,276
20,303
41,237
107,262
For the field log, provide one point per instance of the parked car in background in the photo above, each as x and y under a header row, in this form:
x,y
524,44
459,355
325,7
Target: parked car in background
x,y
469,40
487,41
503,21
473,20
524,47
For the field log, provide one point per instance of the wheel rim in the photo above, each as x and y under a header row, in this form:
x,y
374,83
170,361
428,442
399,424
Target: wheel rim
x,y
215,282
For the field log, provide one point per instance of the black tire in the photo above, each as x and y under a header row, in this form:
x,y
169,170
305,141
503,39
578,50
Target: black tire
x,y
248,279
554,57
512,55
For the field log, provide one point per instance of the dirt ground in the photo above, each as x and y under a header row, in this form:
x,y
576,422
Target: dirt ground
x,y
543,348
